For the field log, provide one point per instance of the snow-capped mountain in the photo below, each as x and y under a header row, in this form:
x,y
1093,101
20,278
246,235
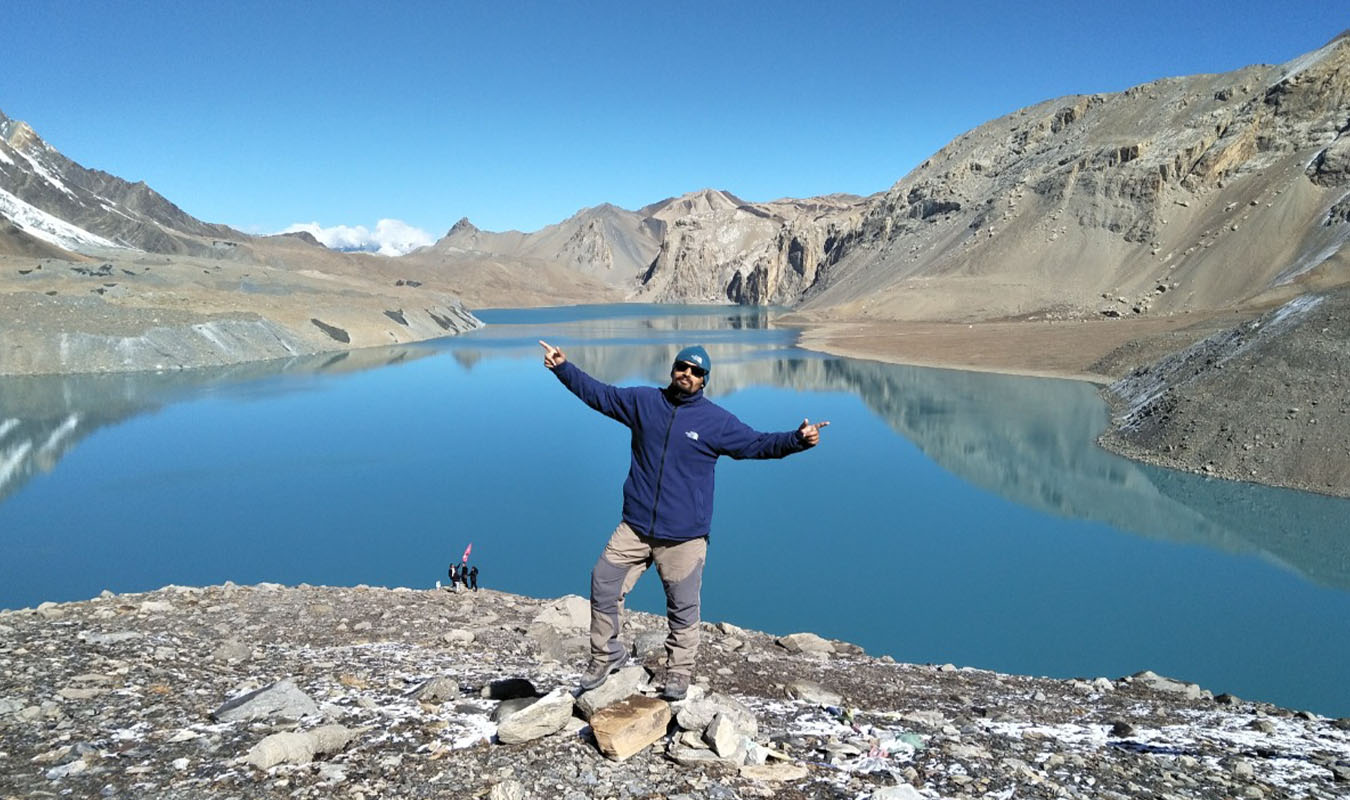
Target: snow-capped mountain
x,y
47,199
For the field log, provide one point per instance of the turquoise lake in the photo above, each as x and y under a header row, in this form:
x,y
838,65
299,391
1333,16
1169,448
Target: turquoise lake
x,y
947,516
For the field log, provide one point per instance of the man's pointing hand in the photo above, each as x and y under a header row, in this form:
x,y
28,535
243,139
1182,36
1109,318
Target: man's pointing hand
x,y
552,355
810,432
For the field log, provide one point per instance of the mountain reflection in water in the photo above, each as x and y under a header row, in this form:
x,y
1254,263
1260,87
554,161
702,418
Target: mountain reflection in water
x,y
43,416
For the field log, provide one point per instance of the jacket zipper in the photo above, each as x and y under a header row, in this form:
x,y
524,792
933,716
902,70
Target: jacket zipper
x,y
661,471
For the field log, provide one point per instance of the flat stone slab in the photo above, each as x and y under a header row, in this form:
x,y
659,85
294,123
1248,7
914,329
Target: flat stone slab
x,y
626,728
812,692
280,699
299,748
805,643
778,772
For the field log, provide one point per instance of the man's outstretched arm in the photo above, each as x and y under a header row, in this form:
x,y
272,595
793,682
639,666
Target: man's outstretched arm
x,y
612,401
739,440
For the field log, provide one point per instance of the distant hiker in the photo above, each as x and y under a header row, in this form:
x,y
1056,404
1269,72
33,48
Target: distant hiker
x,y
454,577
677,437
473,577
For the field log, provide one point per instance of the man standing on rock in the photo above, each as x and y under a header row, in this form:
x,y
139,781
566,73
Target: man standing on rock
x,y
677,437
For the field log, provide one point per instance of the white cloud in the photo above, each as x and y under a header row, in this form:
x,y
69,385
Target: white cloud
x,y
391,237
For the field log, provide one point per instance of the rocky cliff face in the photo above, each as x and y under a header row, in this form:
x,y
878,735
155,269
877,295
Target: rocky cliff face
x,y
749,253
707,246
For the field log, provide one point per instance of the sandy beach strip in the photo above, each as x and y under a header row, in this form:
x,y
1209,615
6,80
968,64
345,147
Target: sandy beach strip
x,y
1072,349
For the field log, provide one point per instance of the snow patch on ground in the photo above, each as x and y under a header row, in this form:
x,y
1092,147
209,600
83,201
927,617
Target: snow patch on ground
x,y
48,228
1139,391
1280,756
1330,247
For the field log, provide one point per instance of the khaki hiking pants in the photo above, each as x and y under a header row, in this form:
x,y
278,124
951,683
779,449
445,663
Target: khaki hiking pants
x,y
625,558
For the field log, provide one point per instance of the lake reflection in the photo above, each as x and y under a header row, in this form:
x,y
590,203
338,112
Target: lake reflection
x,y
948,516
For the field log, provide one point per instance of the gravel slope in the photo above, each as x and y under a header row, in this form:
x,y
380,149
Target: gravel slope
x,y
1267,401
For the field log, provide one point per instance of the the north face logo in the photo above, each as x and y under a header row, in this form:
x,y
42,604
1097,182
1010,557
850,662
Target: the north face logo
x,y
698,359
692,435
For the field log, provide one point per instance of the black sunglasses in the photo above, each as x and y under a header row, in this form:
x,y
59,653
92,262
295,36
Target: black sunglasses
x,y
699,372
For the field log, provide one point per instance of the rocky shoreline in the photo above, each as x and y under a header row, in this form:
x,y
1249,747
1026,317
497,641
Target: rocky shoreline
x,y
269,691
146,313
1266,400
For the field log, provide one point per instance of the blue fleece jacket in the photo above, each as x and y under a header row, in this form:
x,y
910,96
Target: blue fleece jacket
x,y
676,442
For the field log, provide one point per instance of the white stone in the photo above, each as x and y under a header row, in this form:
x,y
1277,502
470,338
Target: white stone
x,y
805,643
507,790
902,791
567,613
66,770
546,715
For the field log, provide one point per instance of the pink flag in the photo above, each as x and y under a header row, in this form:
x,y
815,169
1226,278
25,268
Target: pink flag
x,y
466,553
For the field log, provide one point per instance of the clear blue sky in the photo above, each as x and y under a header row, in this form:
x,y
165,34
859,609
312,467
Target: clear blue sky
x,y
259,115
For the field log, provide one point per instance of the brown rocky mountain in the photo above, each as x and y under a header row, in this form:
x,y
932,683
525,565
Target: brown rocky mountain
x,y
750,253
707,246
1187,194
605,242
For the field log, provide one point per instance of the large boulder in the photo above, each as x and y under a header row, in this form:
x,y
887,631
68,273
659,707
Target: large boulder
x,y
280,699
545,716
625,728
437,690
697,715
293,747
568,614
805,643
812,692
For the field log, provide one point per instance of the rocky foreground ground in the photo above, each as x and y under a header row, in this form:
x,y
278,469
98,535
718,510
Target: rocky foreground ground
x,y
265,691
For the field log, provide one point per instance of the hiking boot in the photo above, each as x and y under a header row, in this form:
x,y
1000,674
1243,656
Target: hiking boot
x,y
598,671
677,686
